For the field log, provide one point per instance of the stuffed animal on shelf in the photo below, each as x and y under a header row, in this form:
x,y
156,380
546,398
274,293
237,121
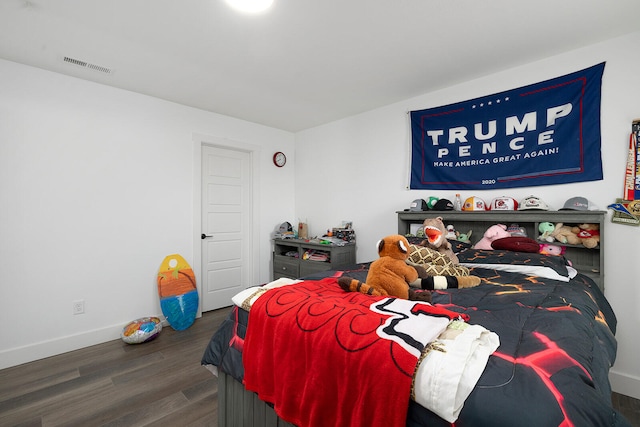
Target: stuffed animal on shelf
x,y
564,234
435,232
389,275
547,249
451,232
545,229
589,234
516,231
497,231
464,237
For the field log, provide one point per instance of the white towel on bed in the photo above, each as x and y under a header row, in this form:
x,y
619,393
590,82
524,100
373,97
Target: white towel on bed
x,y
245,298
444,379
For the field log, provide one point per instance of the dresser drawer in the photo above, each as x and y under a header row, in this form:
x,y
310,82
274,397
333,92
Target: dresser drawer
x,y
307,268
289,257
285,267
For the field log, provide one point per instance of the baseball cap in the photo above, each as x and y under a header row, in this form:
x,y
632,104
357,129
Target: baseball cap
x,y
578,203
503,204
431,202
443,205
533,203
474,204
418,205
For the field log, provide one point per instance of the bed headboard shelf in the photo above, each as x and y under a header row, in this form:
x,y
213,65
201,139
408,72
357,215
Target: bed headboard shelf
x,y
589,262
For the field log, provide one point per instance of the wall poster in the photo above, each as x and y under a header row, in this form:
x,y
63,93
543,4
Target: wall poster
x,y
542,134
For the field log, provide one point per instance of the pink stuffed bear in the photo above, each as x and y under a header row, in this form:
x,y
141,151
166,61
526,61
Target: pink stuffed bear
x,y
495,232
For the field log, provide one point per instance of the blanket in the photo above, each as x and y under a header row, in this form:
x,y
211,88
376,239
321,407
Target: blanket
x,y
342,344
556,345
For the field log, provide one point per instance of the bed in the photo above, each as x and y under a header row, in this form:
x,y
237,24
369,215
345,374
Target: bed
x,y
549,366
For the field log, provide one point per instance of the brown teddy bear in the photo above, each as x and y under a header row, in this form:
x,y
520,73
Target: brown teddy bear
x,y
588,234
565,234
389,275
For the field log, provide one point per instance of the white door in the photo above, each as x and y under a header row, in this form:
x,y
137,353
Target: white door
x,y
226,225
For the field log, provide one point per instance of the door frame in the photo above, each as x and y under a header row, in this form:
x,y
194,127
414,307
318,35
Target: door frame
x,y
200,140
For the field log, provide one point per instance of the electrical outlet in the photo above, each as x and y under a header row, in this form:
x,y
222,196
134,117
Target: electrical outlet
x,y
78,307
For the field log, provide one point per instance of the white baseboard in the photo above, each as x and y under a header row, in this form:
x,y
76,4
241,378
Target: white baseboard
x,y
36,351
625,384
29,353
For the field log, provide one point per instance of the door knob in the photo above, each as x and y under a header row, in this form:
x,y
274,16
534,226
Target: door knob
x,y
204,236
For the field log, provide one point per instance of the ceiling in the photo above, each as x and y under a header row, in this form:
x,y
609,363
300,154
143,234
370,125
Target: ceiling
x,y
304,62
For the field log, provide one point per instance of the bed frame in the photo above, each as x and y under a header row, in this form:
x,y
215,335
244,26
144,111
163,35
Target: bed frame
x,y
238,407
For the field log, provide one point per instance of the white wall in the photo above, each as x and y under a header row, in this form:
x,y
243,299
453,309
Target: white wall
x,y
370,154
96,187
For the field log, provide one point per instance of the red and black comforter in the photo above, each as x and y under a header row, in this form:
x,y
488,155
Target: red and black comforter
x,y
551,369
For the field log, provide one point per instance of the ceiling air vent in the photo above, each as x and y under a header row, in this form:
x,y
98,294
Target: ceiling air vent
x,y
85,64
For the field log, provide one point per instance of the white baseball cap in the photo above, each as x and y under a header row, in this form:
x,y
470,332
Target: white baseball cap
x,y
533,203
474,204
503,204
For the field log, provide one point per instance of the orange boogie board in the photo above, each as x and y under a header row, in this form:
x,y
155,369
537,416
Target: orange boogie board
x,y
177,292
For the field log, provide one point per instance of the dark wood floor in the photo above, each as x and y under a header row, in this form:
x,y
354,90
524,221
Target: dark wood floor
x,y
159,383
628,406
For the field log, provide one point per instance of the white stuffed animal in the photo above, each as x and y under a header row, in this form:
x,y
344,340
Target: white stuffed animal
x,y
451,232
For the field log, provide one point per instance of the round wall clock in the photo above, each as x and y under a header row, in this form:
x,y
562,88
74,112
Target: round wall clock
x,y
279,159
